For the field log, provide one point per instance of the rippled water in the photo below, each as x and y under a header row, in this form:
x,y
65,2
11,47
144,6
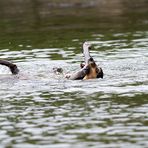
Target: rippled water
x,y
39,108
42,108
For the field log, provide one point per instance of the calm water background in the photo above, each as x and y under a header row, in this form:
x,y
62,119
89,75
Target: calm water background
x,y
41,109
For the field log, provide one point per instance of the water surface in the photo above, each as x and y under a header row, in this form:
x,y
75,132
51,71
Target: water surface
x,y
41,109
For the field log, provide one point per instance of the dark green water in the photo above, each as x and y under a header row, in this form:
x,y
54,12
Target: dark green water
x,y
41,109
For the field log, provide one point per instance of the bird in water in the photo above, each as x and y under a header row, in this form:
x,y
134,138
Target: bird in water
x,y
89,69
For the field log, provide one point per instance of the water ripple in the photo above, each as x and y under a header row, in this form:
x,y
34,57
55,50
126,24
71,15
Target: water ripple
x,y
40,108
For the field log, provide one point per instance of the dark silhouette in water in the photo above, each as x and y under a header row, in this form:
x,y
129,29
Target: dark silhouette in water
x,y
13,68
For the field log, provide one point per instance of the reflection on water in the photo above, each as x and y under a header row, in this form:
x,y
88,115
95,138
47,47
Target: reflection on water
x,y
41,109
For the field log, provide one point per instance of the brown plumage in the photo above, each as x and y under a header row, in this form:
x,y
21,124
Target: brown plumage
x,y
89,69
